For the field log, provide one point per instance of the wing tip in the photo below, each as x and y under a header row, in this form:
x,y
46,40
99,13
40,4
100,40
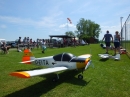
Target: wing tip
x,y
20,74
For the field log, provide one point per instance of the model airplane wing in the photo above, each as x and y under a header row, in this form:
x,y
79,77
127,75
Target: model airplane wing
x,y
28,74
103,56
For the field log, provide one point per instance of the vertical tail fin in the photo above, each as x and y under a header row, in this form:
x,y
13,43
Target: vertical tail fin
x,y
117,57
28,56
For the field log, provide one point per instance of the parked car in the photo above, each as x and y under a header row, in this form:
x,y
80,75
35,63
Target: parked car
x,y
13,44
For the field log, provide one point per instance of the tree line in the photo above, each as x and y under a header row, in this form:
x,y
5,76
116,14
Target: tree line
x,y
86,29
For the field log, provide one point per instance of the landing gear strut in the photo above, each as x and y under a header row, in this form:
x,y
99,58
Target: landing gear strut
x,y
80,76
55,78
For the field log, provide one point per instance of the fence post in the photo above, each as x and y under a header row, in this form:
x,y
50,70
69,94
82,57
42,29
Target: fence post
x,y
125,35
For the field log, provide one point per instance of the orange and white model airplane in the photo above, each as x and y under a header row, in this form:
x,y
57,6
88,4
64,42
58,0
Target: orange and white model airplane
x,y
59,62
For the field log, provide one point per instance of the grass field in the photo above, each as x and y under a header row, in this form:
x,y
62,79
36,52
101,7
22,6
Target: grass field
x,y
108,78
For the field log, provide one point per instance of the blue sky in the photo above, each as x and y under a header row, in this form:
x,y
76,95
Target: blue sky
x,y
41,18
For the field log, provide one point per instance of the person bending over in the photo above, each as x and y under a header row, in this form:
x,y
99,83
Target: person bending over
x,y
5,48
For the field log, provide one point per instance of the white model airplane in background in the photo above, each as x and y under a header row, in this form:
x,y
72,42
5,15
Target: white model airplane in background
x,y
59,62
106,56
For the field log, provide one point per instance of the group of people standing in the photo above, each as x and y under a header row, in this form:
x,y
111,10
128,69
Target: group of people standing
x,y
114,39
28,42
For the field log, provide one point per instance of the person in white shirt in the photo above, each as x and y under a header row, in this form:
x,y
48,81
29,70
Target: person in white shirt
x,y
117,42
43,46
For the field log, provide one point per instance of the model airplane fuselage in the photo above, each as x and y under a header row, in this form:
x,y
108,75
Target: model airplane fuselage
x,y
53,61
106,56
59,62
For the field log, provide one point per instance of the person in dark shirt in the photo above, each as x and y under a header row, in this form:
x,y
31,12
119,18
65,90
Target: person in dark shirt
x,y
19,42
107,38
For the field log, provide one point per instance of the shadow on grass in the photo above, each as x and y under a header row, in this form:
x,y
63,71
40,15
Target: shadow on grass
x,y
46,85
104,60
28,69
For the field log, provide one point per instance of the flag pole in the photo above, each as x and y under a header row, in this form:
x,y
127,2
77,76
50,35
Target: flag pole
x,y
67,25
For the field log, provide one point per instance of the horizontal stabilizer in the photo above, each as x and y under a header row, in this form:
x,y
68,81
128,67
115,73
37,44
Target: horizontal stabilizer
x,y
28,74
116,57
27,61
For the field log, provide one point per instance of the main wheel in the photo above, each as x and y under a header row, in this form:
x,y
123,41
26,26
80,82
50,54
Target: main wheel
x,y
80,76
54,79
42,51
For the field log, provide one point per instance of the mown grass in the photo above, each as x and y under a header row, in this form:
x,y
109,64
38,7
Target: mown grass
x,y
108,78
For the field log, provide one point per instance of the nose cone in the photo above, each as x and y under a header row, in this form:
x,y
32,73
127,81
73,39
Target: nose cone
x,y
80,62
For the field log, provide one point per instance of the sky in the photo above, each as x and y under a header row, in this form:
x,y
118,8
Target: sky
x,y
41,18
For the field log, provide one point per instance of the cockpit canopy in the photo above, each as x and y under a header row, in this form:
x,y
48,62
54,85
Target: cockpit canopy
x,y
63,57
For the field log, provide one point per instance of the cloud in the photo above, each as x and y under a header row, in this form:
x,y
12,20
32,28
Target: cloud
x,y
80,9
67,25
3,26
128,22
43,22
111,29
108,26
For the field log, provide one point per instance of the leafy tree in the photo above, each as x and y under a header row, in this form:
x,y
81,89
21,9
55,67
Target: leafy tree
x,y
70,33
87,29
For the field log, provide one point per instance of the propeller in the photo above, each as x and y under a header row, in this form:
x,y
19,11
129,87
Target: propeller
x,y
88,64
